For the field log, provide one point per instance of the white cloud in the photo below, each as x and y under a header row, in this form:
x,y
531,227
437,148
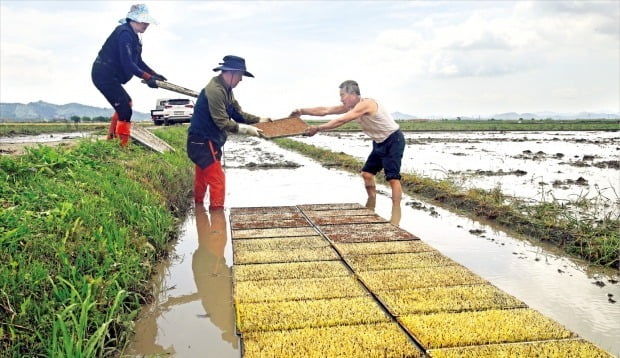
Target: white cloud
x,y
418,57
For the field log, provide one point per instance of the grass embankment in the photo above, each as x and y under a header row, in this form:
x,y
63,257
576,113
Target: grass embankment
x,y
81,230
597,241
494,125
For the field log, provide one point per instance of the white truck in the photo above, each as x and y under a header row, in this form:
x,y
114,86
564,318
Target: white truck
x,y
172,110
157,114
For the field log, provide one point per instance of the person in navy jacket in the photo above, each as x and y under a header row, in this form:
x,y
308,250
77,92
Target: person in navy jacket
x,y
119,59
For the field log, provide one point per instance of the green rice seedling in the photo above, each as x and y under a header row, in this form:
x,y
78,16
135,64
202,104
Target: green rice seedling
x,y
273,232
273,316
439,330
419,277
298,270
269,256
447,299
374,262
550,349
298,289
389,247
354,341
279,243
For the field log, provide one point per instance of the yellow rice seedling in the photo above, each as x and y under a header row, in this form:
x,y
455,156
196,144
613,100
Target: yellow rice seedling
x,y
356,341
290,270
272,316
265,217
262,210
279,243
272,232
397,261
440,330
548,349
337,206
267,256
312,214
419,277
386,247
298,289
447,299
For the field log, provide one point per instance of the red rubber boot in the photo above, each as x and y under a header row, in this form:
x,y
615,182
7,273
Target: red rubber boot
x,y
123,131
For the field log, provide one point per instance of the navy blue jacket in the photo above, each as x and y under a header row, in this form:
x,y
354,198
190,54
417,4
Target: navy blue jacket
x,y
121,54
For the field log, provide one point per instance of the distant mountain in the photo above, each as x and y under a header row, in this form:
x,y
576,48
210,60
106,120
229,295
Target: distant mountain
x,y
44,111
554,115
399,116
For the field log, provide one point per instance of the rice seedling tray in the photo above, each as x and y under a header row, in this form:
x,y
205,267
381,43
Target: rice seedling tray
x,y
551,349
338,212
279,243
263,224
446,299
384,247
348,341
360,263
452,275
337,206
370,236
297,270
263,210
265,216
352,219
275,256
272,232
298,289
442,330
283,315
285,127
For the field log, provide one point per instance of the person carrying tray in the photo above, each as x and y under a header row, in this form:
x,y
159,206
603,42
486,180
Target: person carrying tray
x,y
388,142
216,114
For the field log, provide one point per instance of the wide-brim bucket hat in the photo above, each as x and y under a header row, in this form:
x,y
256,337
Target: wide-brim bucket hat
x,y
233,63
139,13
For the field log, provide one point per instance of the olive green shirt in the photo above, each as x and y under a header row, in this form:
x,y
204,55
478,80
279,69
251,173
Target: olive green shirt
x,y
219,98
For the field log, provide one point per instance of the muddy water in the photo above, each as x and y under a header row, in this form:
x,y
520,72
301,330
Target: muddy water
x,y
193,315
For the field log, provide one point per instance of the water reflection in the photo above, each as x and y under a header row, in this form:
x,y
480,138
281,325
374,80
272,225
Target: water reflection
x,y
211,274
193,313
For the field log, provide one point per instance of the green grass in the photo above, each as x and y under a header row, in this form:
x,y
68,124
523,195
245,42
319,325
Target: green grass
x,y
81,230
596,240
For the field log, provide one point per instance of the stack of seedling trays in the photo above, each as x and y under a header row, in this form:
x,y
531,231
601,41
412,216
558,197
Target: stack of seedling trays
x,y
337,280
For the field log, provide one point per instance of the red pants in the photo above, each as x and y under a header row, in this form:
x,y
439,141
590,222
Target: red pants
x,y
212,177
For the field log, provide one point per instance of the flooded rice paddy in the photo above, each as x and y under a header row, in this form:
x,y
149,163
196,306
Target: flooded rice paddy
x,y
534,166
193,314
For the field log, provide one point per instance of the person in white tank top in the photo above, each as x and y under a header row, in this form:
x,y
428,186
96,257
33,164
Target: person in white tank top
x,y
388,141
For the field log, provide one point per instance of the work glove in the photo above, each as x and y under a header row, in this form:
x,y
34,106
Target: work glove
x,y
250,130
159,77
151,82
265,120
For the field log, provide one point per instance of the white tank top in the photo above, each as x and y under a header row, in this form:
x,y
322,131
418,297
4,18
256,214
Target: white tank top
x,y
379,126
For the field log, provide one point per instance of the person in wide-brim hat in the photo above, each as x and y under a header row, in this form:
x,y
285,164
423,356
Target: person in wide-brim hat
x,y
216,114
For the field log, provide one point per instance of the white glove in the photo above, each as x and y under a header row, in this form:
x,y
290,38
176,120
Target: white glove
x,y
249,130
264,120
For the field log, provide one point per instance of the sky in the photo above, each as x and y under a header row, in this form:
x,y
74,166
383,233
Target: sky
x,y
424,58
